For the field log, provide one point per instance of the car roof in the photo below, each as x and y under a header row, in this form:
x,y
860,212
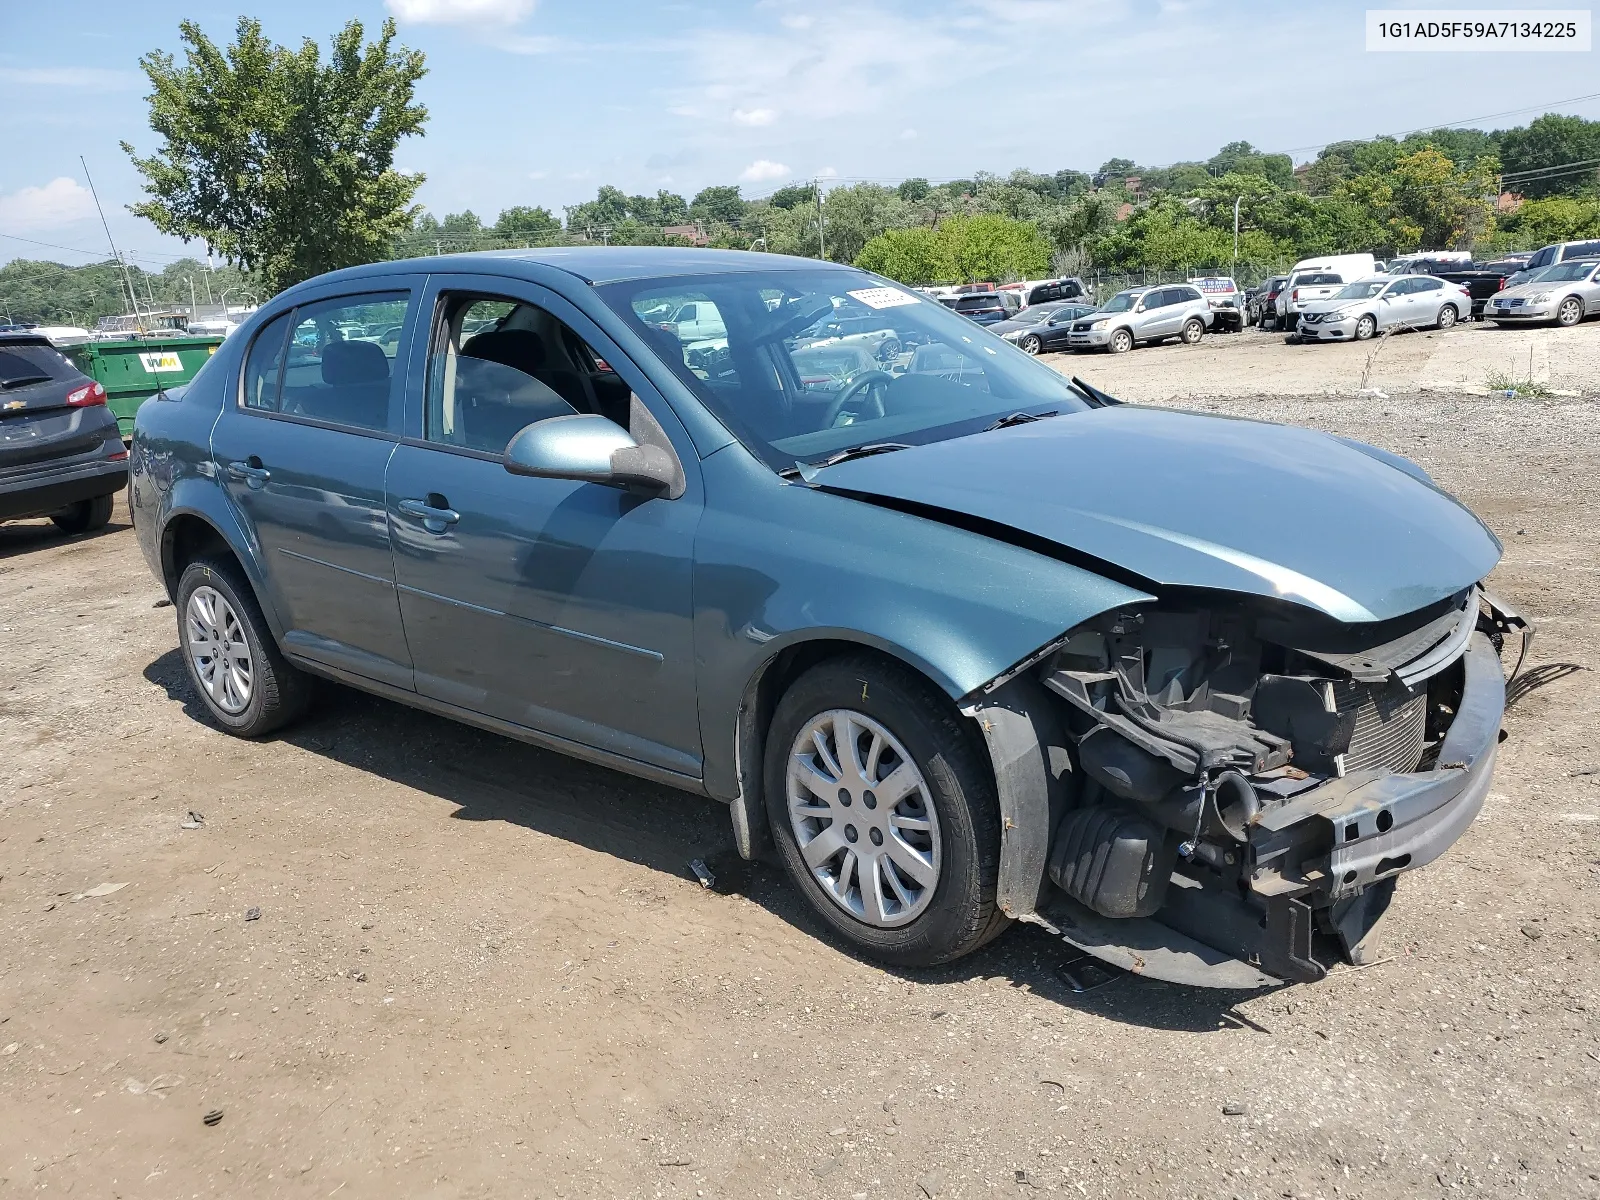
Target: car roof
x,y
595,264
25,339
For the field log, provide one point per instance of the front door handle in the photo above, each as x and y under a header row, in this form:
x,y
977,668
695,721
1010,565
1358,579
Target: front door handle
x,y
250,472
435,513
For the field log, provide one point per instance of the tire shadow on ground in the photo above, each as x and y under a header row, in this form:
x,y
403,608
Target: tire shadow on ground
x,y
487,777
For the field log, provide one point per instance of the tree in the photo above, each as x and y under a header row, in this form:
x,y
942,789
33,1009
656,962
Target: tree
x,y
995,249
1553,219
521,223
593,217
1241,158
276,159
794,196
1549,142
916,257
718,205
914,189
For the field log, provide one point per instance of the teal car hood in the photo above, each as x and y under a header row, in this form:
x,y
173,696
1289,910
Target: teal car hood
x,y
1185,500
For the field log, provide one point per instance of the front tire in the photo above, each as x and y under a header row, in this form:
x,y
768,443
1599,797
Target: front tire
x,y
1570,312
1121,342
241,676
884,812
1366,328
1030,344
86,515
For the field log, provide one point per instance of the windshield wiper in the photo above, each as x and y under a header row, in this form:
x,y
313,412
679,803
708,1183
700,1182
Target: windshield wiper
x,y
865,450
1020,418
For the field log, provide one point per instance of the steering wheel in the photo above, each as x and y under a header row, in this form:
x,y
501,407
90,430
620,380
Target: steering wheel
x,y
853,389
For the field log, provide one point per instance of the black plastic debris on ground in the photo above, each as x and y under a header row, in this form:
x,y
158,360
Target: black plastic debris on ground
x,y
1087,974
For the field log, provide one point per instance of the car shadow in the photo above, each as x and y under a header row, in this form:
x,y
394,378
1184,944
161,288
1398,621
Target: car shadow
x,y
487,777
24,537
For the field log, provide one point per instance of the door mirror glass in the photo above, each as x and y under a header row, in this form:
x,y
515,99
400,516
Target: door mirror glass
x,y
590,448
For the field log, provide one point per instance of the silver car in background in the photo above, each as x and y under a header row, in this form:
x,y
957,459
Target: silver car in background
x,y
1145,314
1381,303
1565,293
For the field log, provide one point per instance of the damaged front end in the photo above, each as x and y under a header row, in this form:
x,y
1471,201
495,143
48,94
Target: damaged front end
x,y
1236,785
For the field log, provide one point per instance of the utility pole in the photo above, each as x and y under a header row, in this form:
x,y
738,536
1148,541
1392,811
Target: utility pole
x,y
126,278
1236,234
822,244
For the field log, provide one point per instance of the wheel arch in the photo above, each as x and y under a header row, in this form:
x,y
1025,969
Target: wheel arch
x,y
188,533
771,678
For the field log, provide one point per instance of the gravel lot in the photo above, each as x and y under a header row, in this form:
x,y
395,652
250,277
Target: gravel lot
x,y
483,970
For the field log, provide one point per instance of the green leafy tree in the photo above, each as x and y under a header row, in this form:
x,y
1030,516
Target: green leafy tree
x,y
1548,142
794,196
592,218
914,189
995,249
1241,158
916,257
718,206
277,159
1553,219
521,223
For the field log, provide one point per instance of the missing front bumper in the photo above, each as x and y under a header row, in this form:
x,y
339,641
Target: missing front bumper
x,y
1323,865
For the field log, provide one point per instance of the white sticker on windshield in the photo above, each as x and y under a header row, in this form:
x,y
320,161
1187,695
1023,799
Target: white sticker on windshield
x,y
883,297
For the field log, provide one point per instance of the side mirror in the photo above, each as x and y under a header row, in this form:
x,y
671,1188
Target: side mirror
x,y
590,448
1139,308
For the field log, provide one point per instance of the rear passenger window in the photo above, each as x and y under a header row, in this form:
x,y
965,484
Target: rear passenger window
x,y
338,368
1583,250
499,365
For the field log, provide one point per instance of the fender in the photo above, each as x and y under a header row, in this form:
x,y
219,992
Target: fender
x,y
961,608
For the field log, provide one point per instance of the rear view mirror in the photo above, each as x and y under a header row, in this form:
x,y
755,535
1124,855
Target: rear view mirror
x,y
588,447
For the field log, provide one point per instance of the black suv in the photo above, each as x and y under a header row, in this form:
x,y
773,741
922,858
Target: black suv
x,y
60,453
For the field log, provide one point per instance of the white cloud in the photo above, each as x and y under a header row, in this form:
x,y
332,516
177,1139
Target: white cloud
x,y
684,110
908,135
460,12
764,170
754,116
60,202
95,79
828,173
538,174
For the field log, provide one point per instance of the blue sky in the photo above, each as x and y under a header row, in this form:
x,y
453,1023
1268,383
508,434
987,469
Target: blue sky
x,y
541,101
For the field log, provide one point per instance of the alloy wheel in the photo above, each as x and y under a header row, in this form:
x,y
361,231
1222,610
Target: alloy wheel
x,y
1447,316
219,650
1029,344
1570,312
863,818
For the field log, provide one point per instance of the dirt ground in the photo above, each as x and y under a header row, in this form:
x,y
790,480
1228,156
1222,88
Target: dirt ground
x,y
483,970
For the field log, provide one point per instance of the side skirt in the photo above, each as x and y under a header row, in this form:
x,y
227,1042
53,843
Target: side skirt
x,y
520,733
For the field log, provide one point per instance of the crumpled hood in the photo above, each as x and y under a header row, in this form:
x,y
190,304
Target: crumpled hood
x,y
1185,500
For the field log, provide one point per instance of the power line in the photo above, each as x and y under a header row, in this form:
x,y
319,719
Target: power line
x,y
1513,112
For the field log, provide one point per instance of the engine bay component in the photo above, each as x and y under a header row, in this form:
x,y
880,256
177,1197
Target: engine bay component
x,y
1247,773
1113,860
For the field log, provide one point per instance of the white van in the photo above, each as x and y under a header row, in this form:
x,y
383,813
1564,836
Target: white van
x,y
1332,271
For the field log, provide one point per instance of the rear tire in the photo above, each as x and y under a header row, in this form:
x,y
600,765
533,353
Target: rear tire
x,y
1193,331
222,633
86,515
953,815
1448,316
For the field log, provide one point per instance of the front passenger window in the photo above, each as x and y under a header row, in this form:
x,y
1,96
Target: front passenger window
x,y
498,365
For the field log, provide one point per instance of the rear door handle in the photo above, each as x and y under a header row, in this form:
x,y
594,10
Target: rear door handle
x,y
435,517
250,472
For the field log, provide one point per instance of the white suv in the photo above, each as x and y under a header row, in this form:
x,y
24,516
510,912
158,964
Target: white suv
x,y
1147,314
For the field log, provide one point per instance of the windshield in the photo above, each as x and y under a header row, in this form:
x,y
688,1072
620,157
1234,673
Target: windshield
x,y
1566,272
1364,289
910,371
1121,302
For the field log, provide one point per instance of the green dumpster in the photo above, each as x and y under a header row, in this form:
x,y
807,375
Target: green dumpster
x,y
134,369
